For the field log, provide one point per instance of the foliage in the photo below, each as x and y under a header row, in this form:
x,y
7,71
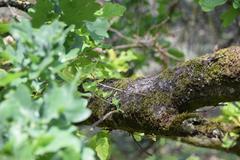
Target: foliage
x,y
208,5
228,16
50,57
231,114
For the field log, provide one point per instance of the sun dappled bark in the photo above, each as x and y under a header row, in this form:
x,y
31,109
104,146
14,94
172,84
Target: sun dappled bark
x,y
165,104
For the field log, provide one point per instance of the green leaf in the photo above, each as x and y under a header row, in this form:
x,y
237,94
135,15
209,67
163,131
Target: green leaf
x,y
58,139
72,54
4,28
69,154
229,16
78,112
175,54
229,140
138,136
60,100
102,146
230,110
77,11
98,29
18,104
112,10
23,96
236,4
88,154
90,86
71,12
208,5
7,78
43,12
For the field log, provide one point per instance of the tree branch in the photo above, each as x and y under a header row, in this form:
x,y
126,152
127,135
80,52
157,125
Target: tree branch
x,y
164,104
23,5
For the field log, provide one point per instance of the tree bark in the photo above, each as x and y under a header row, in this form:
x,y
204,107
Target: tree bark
x,y
14,10
165,104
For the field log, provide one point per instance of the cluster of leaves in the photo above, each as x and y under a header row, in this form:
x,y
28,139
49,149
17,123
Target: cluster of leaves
x,y
40,74
35,112
228,16
231,114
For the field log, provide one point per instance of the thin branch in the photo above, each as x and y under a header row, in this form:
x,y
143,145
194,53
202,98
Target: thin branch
x,y
144,150
121,35
160,24
117,89
127,46
103,118
104,100
110,87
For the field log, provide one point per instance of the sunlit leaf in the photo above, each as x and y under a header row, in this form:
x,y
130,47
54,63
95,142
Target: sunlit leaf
x,y
77,11
208,5
113,10
102,146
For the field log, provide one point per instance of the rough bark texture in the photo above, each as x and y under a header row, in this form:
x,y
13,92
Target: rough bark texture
x,y
20,4
14,9
164,104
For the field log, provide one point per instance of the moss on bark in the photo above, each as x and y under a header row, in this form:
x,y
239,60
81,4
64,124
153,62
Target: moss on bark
x,y
163,104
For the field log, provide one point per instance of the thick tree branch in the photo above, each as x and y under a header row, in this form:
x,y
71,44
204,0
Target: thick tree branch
x,y
20,4
14,9
164,104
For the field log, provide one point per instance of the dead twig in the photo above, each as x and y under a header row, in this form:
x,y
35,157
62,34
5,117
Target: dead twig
x,y
117,89
103,118
127,46
121,35
159,25
141,148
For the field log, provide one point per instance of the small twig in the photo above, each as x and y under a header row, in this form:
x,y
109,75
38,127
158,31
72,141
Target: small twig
x,y
117,89
103,118
110,87
126,46
99,50
121,35
141,148
206,109
160,24
103,99
141,152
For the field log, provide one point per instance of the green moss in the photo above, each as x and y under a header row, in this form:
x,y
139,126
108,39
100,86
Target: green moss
x,y
176,124
157,111
156,98
122,84
228,63
181,117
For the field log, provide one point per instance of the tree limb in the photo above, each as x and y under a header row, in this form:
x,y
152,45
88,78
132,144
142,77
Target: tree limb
x,y
164,104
